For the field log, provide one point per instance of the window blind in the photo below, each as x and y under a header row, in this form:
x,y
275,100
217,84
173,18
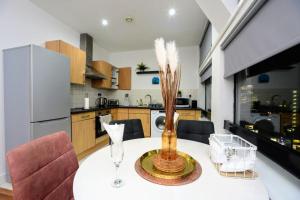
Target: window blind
x,y
274,28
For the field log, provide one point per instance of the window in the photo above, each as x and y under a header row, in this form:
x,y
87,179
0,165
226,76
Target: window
x,y
206,42
208,95
207,85
268,101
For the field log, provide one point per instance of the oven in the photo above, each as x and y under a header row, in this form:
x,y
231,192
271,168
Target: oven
x,y
102,116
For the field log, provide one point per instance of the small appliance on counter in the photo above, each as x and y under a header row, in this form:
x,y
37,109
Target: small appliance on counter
x,y
113,102
182,102
194,104
126,100
101,101
86,102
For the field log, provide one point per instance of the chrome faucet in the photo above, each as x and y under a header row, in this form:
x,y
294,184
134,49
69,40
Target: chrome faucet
x,y
148,95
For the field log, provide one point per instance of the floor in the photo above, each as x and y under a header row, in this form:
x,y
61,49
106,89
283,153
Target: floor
x,y
6,191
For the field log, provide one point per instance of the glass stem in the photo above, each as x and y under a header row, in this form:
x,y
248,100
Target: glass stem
x,y
117,172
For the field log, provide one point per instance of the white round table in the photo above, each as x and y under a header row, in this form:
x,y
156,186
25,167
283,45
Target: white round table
x,y
94,176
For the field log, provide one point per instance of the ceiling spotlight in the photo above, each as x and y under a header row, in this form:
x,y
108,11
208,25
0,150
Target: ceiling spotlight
x,y
172,12
129,19
104,22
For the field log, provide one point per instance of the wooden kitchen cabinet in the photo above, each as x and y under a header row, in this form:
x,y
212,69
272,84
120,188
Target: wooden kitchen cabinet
x,y
125,78
122,114
114,113
134,113
78,69
189,114
119,113
144,116
106,69
83,131
77,59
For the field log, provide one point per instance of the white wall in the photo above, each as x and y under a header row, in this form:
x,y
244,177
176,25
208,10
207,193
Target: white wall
x,y
231,5
100,53
216,12
142,85
222,89
189,60
23,23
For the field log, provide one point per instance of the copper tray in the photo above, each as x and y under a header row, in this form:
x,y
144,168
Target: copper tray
x,y
147,165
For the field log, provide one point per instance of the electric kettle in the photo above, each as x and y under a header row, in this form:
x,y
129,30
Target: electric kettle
x,y
101,101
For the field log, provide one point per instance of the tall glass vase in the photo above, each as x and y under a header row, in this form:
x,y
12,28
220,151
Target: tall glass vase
x,y
169,143
169,137
168,160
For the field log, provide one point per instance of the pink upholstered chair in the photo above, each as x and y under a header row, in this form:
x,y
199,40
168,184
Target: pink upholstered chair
x,y
43,168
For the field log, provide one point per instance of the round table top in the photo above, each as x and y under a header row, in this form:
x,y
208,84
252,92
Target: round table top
x,y
94,176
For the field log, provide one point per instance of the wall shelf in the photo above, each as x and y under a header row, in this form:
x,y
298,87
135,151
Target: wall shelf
x,y
148,72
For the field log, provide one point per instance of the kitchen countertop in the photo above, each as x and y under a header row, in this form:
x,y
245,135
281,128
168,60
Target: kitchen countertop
x,y
93,109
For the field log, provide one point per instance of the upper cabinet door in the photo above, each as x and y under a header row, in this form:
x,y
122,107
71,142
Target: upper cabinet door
x,y
67,50
106,69
50,81
78,67
125,78
76,56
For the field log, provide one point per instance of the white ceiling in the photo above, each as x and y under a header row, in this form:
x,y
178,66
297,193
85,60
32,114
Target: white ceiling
x,y
151,20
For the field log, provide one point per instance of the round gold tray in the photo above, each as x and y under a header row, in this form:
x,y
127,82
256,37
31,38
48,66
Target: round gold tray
x,y
147,165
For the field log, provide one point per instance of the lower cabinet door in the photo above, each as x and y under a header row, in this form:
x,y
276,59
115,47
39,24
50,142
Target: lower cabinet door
x,y
187,117
83,135
90,133
122,116
121,113
186,114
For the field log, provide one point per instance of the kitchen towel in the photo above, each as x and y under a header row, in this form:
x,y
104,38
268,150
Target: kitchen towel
x,y
104,119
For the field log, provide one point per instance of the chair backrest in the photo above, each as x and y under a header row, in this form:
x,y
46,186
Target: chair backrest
x,y
43,168
195,130
265,127
133,128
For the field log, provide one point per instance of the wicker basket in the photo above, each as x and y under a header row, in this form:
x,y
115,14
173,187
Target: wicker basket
x,y
232,155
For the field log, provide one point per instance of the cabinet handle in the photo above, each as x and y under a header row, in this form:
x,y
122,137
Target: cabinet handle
x,y
85,116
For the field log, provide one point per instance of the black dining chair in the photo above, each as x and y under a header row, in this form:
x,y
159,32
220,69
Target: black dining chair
x,y
195,130
133,128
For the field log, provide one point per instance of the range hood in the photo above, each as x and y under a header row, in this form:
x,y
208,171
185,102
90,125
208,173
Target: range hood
x,y
86,44
92,74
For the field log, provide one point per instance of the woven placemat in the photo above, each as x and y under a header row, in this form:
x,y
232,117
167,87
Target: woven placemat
x,y
170,182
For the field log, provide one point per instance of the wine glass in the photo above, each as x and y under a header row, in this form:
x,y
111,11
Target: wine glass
x,y
117,153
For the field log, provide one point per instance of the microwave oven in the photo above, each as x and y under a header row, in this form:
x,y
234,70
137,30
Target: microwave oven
x,y
182,102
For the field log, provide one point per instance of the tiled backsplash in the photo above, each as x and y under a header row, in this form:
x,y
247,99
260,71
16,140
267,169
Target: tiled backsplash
x,y
136,94
78,93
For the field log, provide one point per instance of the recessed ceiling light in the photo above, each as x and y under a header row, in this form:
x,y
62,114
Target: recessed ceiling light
x,y
172,12
104,22
129,19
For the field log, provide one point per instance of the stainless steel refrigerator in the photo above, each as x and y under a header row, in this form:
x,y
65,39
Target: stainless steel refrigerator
x,y
36,94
